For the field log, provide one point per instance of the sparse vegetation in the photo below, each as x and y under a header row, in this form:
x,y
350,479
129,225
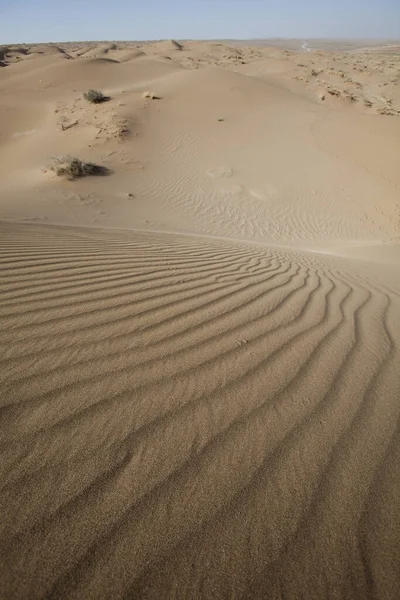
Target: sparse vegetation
x,y
388,110
333,91
349,96
150,95
73,168
95,97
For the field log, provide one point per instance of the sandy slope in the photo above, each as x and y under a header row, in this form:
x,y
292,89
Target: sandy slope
x,y
248,153
200,352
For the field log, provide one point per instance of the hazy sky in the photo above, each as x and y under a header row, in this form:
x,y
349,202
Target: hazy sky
x,y
54,20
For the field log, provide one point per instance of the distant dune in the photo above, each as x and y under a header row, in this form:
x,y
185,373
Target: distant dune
x,y
201,347
330,44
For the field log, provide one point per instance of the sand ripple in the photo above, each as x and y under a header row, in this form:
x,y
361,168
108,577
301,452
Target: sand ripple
x,y
190,418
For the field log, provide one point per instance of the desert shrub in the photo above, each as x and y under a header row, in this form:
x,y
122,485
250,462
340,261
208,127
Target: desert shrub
x,y
95,96
150,95
72,167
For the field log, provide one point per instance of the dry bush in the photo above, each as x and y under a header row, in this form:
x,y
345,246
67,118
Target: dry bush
x,y
95,97
73,168
150,95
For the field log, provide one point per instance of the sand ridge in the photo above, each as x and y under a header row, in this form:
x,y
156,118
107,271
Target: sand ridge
x,y
199,351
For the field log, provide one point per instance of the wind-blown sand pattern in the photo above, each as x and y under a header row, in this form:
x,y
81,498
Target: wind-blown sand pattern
x,y
205,404
188,418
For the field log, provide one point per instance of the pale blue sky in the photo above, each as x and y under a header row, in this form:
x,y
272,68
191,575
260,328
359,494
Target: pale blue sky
x,y
63,20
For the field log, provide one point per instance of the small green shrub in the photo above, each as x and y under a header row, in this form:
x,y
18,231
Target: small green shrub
x,y
95,97
72,168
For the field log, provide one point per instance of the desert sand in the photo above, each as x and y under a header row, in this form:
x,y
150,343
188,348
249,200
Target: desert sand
x,y
200,350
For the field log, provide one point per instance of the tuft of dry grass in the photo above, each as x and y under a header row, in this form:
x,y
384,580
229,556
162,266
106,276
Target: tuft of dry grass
x,y
150,95
95,97
73,168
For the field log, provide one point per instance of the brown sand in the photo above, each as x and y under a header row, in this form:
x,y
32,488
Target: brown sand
x,y
200,352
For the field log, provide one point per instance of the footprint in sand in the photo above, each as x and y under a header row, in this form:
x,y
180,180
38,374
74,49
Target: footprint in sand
x,y
267,192
232,190
220,172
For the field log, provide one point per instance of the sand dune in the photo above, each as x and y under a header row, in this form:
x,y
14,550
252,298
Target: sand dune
x,y
184,416
126,54
200,351
98,51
